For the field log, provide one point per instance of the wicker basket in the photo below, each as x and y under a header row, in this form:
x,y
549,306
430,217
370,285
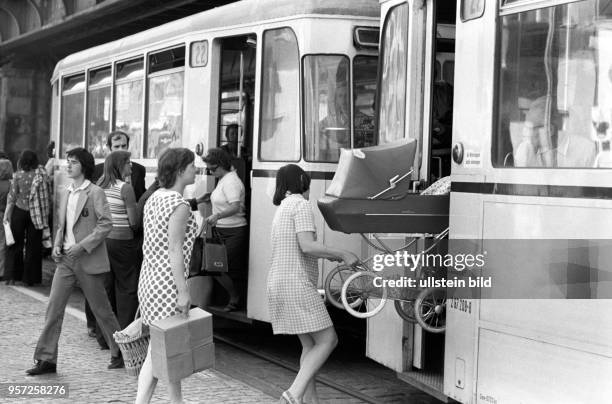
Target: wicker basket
x,y
133,341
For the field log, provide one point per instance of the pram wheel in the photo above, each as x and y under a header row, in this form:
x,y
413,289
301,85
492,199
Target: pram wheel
x,y
405,309
333,286
430,310
360,286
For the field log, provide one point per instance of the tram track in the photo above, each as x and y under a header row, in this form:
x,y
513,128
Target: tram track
x,y
289,366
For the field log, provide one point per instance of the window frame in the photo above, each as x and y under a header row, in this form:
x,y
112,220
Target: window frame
x,y
303,102
147,76
143,79
62,106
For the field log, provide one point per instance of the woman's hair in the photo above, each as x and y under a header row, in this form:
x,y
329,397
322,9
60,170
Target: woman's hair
x,y
290,178
86,159
218,157
171,163
28,161
113,167
6,169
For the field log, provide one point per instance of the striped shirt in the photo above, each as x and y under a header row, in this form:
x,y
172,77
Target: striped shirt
x,y
121,224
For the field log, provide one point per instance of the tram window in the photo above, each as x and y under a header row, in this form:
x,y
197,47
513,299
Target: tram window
x,y
364,92
129,102
98,110
555,90
280,102
327,119
165,96
168,59
392,101
472,9
73,109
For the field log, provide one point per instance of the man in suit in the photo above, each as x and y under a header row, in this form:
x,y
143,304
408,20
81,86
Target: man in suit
x,y
84,221
117,140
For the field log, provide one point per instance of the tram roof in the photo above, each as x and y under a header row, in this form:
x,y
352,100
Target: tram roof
x,y
235,14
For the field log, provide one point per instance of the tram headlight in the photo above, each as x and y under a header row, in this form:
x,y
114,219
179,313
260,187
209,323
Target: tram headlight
x,y
458,153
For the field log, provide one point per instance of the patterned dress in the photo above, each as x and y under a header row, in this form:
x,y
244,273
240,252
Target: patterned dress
x,y
295,305
157,292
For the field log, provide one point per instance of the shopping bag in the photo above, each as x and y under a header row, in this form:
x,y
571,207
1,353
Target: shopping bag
x,y
195,265
8,234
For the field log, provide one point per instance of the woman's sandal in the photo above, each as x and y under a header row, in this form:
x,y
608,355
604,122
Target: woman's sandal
x,y
287,398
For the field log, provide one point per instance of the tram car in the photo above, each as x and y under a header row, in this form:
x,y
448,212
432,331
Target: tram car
x,y
298,78
531,130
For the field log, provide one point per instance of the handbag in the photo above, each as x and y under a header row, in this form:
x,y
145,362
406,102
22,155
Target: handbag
x,y
215,254
8,234
209,256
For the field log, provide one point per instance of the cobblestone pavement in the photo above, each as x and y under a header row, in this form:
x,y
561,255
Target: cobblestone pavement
x,y
82,365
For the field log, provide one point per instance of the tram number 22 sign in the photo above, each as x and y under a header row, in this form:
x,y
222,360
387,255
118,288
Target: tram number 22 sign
x,y
198,54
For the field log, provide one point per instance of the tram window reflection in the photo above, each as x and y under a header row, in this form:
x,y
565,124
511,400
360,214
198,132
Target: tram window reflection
x,y
73,110
165,89
392,84
279,131
327,119
129,102
555,105
98,110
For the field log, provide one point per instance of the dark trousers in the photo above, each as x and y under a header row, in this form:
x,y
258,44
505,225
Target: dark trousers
x,y
18,268
66,275
121,283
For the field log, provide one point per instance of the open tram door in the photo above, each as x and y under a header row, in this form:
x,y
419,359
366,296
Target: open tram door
x,y
236,56
416,77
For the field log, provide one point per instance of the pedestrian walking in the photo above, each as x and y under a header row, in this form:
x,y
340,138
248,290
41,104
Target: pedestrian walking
x,y
6,174
228,221
169,233
294,304
27,211
122,280
84,221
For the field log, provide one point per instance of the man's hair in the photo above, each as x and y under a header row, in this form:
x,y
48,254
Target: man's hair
x,y
113,167
86,159
114,134
28,160
218,157
171,163
290,178
6,169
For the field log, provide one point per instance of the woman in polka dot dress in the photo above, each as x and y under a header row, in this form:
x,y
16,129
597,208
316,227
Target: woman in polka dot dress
x,y
293,301
169,233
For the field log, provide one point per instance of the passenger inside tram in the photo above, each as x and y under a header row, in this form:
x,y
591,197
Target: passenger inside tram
x,y
554,85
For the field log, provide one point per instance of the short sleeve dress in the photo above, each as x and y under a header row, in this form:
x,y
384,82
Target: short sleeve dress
x,y
295,305
157,291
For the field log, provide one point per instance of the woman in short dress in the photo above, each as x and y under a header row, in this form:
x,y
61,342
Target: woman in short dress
x,y
295,305
169,232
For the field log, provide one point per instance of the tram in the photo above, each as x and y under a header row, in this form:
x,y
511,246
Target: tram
x,y
532,112
298,78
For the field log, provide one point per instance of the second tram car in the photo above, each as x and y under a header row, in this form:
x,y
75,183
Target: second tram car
x,y
297,78
530,161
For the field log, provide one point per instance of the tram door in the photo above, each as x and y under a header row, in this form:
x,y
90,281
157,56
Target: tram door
x,y
235,121
415,101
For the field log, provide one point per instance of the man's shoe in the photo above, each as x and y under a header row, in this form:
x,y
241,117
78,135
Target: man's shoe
x,y
42,367
116,362
91,331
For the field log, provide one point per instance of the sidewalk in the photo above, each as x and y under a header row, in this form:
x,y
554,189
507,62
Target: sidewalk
x,y
82,365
